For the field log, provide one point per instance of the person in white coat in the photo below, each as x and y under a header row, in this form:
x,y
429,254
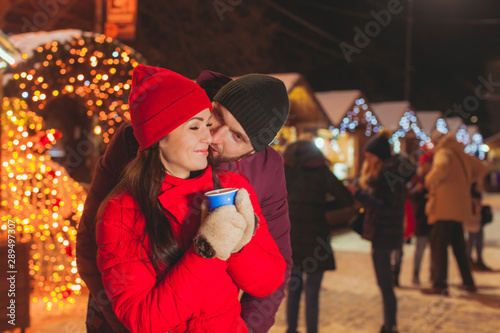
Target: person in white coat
x,y
449,182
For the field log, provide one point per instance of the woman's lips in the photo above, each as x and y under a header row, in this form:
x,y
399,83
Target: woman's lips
x,y
202,152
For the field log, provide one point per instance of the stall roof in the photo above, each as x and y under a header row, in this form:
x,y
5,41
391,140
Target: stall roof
x,y
454,123
336,103
493,141
27,42
472,129
304,107
289,79
428,120
390,113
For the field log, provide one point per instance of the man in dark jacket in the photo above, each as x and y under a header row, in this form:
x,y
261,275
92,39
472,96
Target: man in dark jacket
x,y
248,113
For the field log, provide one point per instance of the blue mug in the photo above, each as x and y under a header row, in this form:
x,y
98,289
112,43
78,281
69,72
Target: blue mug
x,y
222,197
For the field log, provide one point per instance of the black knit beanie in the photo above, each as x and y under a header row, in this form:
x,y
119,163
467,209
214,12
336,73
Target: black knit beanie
x,y
379,145
259,103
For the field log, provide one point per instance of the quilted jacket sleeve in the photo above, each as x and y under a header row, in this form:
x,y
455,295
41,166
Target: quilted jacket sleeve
x,y
141,303
259,268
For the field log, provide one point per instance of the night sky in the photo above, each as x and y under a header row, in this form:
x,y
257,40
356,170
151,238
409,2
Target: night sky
x,y
452,43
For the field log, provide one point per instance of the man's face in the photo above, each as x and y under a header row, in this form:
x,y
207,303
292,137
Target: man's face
x,y
229,140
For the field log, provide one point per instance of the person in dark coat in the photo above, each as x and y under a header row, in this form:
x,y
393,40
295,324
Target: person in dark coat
x,y
382,192
308,181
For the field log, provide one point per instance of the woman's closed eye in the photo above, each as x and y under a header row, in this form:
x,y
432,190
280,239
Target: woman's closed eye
x,y
196,127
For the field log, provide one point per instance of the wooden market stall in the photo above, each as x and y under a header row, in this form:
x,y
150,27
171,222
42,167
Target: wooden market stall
x,y
306,114
354,124
429,120
400,119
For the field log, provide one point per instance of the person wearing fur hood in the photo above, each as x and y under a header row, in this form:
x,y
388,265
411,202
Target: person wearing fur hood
x,y
449,182
382,193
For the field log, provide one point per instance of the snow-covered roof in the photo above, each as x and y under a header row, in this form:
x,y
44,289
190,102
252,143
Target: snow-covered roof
x,y
26,43
336,103
472,129
454,123
428,120
493,140
390,113
30,41
289,79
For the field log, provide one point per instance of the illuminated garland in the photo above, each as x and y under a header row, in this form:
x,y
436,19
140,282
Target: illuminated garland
x,y
408,122
473,142
45,203
463,136
94,69
359,115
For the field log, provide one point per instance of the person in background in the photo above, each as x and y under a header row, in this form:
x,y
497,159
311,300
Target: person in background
x,y
382,192
165,265
246,116
308,181
474,229
418,198
449,182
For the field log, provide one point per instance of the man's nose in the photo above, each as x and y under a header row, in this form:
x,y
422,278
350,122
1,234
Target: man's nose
x,y
218,134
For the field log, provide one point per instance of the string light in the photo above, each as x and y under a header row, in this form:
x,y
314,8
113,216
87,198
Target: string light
x,y
73,68
408,122
360,115
41,199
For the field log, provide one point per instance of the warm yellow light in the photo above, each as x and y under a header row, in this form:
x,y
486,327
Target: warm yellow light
x,y
97,130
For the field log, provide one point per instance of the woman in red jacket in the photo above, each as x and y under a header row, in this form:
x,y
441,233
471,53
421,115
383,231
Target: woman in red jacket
x,y
155,277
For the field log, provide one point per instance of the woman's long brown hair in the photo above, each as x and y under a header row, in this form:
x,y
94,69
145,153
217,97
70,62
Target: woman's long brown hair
x,y
142,179
370,173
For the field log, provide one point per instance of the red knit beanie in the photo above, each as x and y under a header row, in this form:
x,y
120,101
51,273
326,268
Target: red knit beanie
x,y
160,101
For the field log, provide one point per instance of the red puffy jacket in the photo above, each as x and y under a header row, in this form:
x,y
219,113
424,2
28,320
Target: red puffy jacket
x,y
197,295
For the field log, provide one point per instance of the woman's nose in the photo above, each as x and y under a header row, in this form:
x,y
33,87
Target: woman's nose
x,y
207,136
